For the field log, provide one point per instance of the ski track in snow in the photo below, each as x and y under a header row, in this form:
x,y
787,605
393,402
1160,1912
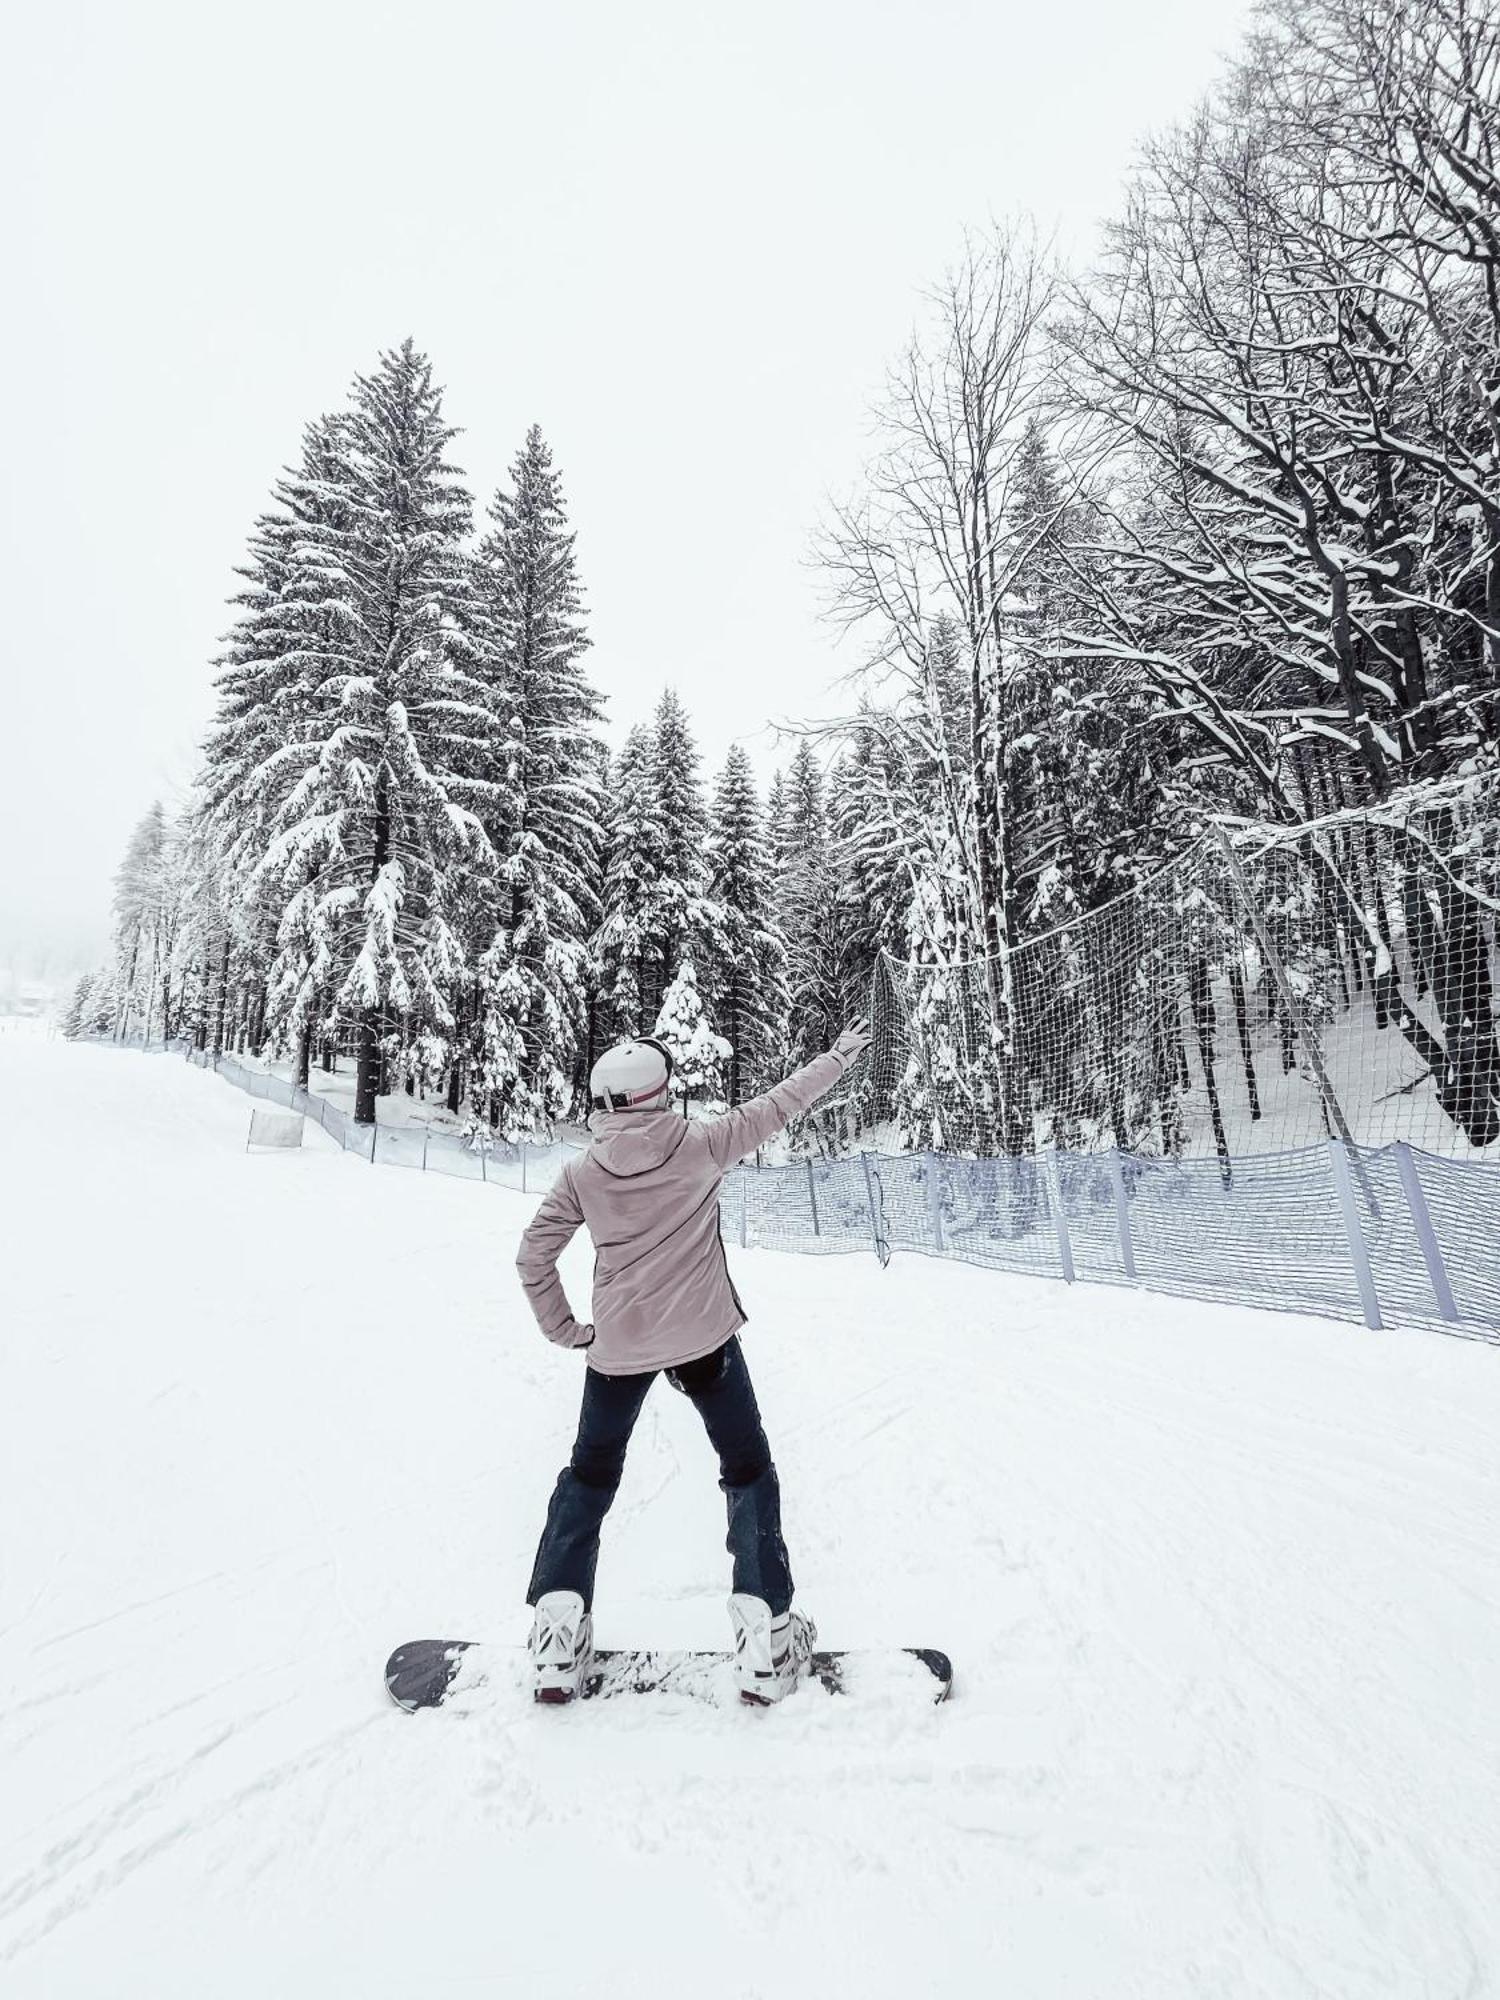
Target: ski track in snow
x,y
1222,1590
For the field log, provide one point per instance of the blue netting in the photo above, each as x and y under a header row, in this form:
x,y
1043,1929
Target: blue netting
x,y
1463,1199
1269,1229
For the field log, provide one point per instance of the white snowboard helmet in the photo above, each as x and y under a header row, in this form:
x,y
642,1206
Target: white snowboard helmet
x,y
632,1076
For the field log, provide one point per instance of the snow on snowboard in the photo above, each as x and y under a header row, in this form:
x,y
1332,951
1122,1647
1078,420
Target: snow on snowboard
x,y
424,1673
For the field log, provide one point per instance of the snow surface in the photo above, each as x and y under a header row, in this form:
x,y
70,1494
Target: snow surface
x,y
1222,1590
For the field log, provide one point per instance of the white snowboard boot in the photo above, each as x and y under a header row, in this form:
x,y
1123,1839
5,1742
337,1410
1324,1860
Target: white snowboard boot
x,y
561,1646
770,1654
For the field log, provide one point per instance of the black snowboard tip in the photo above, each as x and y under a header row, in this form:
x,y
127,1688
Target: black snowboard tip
x,y
420,1673
938,1665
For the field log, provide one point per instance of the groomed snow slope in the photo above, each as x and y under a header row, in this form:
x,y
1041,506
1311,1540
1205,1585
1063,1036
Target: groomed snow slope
x,y
1222,1590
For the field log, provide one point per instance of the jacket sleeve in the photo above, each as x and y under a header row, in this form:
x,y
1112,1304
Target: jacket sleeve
x,y
555,1224
749,1125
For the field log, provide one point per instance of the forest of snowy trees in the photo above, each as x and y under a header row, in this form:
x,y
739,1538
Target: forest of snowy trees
x,y
408,844
1209,533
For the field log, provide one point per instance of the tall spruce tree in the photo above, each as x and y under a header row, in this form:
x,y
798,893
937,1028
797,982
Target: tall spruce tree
x,y
625,944
747,973
681,920
806,893
388,781
142,903
534,970
272,932
699,1054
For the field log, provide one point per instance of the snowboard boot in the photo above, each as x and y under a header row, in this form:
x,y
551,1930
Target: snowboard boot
x,y
561,1646
770,1654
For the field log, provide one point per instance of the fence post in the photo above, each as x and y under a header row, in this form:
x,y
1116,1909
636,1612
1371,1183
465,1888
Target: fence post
x,y
881,1251
812,1197
374,1129
935,1202
1122,1214
1059,1220
523,1166
1358,1250
744,1207
426,1134
1432,1256
483,1170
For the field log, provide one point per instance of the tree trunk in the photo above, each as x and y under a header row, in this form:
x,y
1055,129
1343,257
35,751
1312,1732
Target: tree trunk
x,y
122,1015
222,1002
1242,1024
367,1074
1200,999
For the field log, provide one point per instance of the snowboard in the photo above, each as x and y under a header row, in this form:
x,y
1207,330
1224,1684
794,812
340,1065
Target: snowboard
x,y
425,1673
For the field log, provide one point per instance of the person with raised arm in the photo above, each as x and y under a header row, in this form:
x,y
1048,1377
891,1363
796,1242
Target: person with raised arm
x,y
647,1191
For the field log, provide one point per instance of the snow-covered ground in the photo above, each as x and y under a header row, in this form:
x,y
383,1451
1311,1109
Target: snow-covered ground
x,y
1222,1590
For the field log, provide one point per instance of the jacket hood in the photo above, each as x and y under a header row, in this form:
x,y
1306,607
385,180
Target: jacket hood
x,y
627,1143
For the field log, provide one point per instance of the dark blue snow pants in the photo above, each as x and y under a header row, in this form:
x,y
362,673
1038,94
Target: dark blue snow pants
x,y
719,1386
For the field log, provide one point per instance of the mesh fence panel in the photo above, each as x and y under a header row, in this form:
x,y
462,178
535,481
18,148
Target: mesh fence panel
x,y
820,1206
1464,1202
1271,1231
993,1212
1274,1236
448,1154
1392,1243
400,1146
1269,988
1091,1211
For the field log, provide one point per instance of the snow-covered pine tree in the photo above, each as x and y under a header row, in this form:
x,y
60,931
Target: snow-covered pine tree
x,y
681,916
595,1008
534,969
700,1057
746,973
271,925
140,903
381,821
624,943
805,895
91,1010
206,917
775,819
872,859
1037,741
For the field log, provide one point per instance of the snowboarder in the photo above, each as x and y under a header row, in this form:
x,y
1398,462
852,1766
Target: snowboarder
x,y
647,1190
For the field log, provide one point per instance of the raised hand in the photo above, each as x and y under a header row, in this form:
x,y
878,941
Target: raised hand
x,y
853,1042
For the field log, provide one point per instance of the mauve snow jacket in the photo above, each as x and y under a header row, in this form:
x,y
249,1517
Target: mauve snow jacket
x,y
648,1191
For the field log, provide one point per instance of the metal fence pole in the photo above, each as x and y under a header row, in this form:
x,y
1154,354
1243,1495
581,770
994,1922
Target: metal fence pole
x,y
1059,1220
934,1201
426,1135
1432,1256
523,1166
1122,1215
880,1249
1358,1250
812,1198
744,1207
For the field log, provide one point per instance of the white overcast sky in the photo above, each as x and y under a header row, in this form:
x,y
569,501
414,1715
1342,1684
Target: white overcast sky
x,y
684,238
